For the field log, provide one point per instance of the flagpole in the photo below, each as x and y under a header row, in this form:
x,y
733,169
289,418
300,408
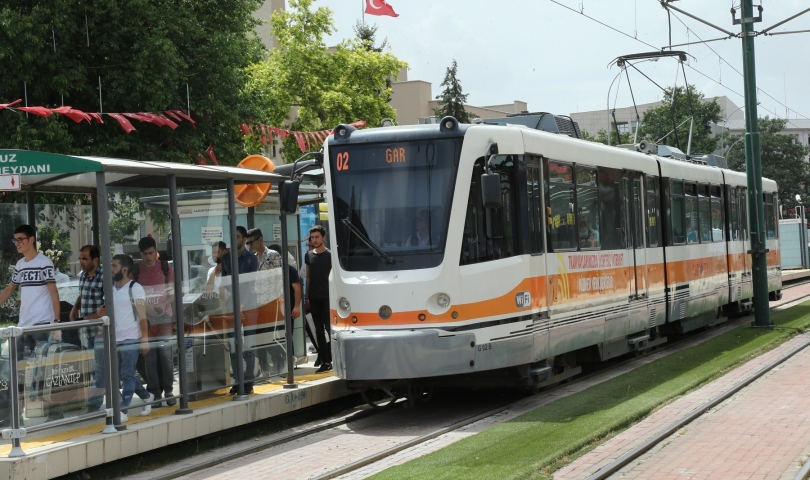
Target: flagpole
x,y
363,8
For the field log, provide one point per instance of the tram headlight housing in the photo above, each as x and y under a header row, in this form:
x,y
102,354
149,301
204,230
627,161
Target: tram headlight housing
x,y
344,304
443,300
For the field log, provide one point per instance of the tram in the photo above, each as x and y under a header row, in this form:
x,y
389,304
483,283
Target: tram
x,y
506,254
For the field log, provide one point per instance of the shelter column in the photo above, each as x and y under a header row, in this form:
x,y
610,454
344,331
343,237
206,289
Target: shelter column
x,y
111,349
237,307
32,214
177,252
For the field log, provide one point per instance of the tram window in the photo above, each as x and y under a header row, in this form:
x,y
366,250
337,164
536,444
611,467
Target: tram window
x,y
678,210
587,208
715,191
482,242
534,206
770,216
561,201
703,190
717,220
705,220
733,214
611,235
692,220
690,189
653,233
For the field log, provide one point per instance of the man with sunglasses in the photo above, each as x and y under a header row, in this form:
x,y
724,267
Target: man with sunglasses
x,y
39,299
268,286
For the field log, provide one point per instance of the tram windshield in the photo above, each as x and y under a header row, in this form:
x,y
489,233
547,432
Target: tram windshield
x,y
392,203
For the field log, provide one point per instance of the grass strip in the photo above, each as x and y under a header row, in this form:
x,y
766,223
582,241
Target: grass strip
x,y
536,443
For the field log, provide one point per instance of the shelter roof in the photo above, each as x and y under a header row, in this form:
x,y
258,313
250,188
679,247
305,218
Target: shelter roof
x,y
43,171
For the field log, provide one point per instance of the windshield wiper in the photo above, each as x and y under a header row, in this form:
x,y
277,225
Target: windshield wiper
x,y
388,258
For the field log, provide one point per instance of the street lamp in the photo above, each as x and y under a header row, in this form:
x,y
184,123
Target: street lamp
x,y
802,231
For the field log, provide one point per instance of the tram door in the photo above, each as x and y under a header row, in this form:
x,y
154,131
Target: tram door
x,y
634,188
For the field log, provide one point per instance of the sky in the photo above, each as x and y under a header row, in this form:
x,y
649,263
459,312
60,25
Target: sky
x,y
558,60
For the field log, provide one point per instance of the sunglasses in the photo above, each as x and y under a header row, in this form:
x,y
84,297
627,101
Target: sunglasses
x,y
17,240
250,242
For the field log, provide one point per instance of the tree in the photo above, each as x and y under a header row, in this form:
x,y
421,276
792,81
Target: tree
x,y
659,120
601,137
123,223
367,34
452,98
147,54
782,160
327,88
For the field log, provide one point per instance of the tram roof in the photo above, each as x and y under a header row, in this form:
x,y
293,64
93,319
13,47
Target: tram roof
x,y
43,171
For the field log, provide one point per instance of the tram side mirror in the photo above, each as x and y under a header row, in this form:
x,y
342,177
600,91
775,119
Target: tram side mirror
x,y
491,190
289,196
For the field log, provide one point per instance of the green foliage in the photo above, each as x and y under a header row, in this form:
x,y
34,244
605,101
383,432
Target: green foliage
x,y
659,120
146,53
328,88
782,159
55,244
536,443
452,98
601,137
123,223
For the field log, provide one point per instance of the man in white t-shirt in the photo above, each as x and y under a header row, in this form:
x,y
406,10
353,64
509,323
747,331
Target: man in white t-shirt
x,y
39,299
131,333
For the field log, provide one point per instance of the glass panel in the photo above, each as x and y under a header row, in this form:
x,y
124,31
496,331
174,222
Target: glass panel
x,y
734,221
717,221
770,217
586,176
562,217
677,187
395,197
690,189
588,217
703,190
638,214
534,213
715,191
744,213
558,172
678,228
652,219
705,220
692,220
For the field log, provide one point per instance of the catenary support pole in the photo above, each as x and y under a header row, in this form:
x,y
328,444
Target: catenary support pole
x,y
94,219
177,252
31,206
106,260
753,167
237,307
288,320
16,393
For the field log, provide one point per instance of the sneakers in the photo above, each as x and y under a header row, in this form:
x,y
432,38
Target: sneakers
x,y
234,390
124,417
317,362
171,402
324,368
147,409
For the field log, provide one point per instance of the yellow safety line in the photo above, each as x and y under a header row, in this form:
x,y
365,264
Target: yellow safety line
x,y
221,397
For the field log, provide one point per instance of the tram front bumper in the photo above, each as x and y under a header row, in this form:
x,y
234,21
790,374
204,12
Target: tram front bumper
x,y
401,354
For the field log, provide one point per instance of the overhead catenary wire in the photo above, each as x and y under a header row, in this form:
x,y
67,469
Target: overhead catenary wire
x,y
691,67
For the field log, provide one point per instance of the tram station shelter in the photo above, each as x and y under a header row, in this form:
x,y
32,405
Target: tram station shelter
x,y
60,385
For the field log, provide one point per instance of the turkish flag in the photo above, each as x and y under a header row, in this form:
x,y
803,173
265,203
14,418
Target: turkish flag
x,y
379,7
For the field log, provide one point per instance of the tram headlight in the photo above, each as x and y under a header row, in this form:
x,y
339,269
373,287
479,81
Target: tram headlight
x,y
344,304
443,300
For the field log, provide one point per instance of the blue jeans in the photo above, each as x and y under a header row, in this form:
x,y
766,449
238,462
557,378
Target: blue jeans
x,y
96,343
128,352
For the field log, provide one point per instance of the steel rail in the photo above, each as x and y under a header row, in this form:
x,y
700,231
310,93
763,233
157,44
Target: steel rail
x,y
269,444
628,457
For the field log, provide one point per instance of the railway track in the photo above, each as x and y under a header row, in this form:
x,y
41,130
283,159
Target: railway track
x,y
338,426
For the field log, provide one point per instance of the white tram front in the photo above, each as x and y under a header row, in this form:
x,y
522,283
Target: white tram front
x,y
589,253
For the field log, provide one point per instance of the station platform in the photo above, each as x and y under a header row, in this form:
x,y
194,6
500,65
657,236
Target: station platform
x,y
795,274
76,447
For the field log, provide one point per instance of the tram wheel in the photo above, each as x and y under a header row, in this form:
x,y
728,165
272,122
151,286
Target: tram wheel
x,y
388,398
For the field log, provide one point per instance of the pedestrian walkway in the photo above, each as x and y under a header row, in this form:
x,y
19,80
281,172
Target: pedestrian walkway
x,y
761,432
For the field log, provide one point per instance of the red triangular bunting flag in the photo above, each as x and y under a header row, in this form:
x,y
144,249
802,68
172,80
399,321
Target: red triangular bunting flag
x,y
173,115
153,118
41,111
138,117
300,140
4,105
122,121
96,116
73,114
263,136
380,8
210,152
245,129
200,159
168,122
183,114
